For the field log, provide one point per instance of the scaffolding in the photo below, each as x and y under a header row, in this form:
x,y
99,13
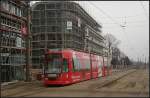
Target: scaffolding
x,y
62,25
12,41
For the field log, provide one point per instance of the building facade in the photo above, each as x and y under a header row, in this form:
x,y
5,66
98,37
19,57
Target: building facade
x,y
12,40
62,25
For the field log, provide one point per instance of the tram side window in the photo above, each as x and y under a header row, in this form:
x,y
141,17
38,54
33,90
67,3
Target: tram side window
x,y
82,64
76,64
87,63
65,65
94,64
100,64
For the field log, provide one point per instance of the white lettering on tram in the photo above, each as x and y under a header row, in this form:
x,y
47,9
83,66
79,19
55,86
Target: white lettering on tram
x,y
75,77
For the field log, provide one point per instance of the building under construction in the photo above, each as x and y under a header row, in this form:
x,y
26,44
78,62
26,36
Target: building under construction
x,y
12,40
61,25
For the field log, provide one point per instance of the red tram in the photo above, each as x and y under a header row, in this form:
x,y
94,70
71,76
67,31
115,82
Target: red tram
x,y
69,66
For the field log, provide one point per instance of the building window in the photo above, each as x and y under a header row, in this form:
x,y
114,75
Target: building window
x,y
50,6
42,28
42,21
58,5
36,14
42,37
36,22
40,7
50,14
7,5
42,14
16,9
54,28
51,21
35,29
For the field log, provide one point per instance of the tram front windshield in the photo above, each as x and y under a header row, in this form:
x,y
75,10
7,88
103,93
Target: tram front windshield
x,y
54,64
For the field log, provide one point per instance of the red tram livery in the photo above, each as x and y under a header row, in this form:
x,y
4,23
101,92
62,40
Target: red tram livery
x,y
69,66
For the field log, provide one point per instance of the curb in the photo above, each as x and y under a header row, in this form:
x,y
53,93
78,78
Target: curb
x,y
8,83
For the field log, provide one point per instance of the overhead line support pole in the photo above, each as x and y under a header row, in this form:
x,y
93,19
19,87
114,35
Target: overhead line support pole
x,y
28,45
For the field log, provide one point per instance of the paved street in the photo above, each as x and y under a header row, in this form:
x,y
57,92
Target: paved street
x,y
122,83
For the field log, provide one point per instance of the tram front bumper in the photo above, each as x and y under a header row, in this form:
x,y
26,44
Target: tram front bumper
x,y
56,82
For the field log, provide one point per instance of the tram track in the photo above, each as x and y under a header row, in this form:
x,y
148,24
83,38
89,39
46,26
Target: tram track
x,y
110,80
21,87
120,77
86,91
24,90
90,87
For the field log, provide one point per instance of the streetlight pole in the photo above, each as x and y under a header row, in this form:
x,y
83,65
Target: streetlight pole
x,y
89,49
28,44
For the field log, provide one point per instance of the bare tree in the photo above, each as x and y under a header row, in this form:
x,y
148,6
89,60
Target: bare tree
x,y
110,42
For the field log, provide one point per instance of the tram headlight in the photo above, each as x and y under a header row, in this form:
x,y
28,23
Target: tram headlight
x,y
46,78
42,76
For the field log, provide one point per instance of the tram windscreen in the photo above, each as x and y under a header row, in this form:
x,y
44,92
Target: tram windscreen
x,y
54,63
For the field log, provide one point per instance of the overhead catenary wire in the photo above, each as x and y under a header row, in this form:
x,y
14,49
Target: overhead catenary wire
x,y
128,22
105,13
128,41
131,16
115,22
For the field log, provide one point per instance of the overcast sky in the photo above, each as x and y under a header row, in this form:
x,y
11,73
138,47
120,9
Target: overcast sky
x,y
132,14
